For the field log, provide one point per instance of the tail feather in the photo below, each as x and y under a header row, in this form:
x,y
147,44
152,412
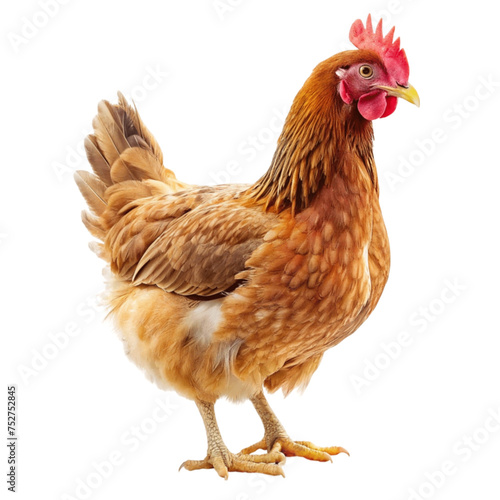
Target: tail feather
x,y
97,161
141,164
109,128
127,163
93,190
94,225
133,122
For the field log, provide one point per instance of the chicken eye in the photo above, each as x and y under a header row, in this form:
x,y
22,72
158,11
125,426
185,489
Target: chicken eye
x,y
366,71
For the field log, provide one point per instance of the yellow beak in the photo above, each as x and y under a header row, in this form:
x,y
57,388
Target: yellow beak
x,y
408,93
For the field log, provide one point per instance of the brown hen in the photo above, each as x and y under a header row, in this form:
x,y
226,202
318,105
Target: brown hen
x,y
221,291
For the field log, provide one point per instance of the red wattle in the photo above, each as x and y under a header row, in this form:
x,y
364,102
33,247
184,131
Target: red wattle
x,y
373,105
392,102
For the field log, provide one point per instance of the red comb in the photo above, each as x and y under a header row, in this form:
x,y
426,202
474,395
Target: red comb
x,y
394,57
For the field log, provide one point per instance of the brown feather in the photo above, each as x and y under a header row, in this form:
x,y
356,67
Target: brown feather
x,y
94,226
97,161
139,126
93,190
111,139
312,145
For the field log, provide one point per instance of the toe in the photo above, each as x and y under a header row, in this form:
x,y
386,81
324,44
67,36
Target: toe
x,y
308,450
331,450
273,457
261,445
196,464
241,465
220,467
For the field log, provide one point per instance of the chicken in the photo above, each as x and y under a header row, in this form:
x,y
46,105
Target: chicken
x,y
226,290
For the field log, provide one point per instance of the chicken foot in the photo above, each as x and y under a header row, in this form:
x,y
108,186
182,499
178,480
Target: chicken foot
x,y
222,460
277,440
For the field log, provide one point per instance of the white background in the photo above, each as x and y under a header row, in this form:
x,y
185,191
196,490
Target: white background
x,y
222,77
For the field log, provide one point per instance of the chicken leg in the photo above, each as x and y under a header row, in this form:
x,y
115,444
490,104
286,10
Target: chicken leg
x,y
277,440
222,460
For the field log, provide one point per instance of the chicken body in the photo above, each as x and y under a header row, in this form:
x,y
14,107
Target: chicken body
x,y
295,302
219,291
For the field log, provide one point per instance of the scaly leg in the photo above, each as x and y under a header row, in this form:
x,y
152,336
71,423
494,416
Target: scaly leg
x,y
277,440
222,460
